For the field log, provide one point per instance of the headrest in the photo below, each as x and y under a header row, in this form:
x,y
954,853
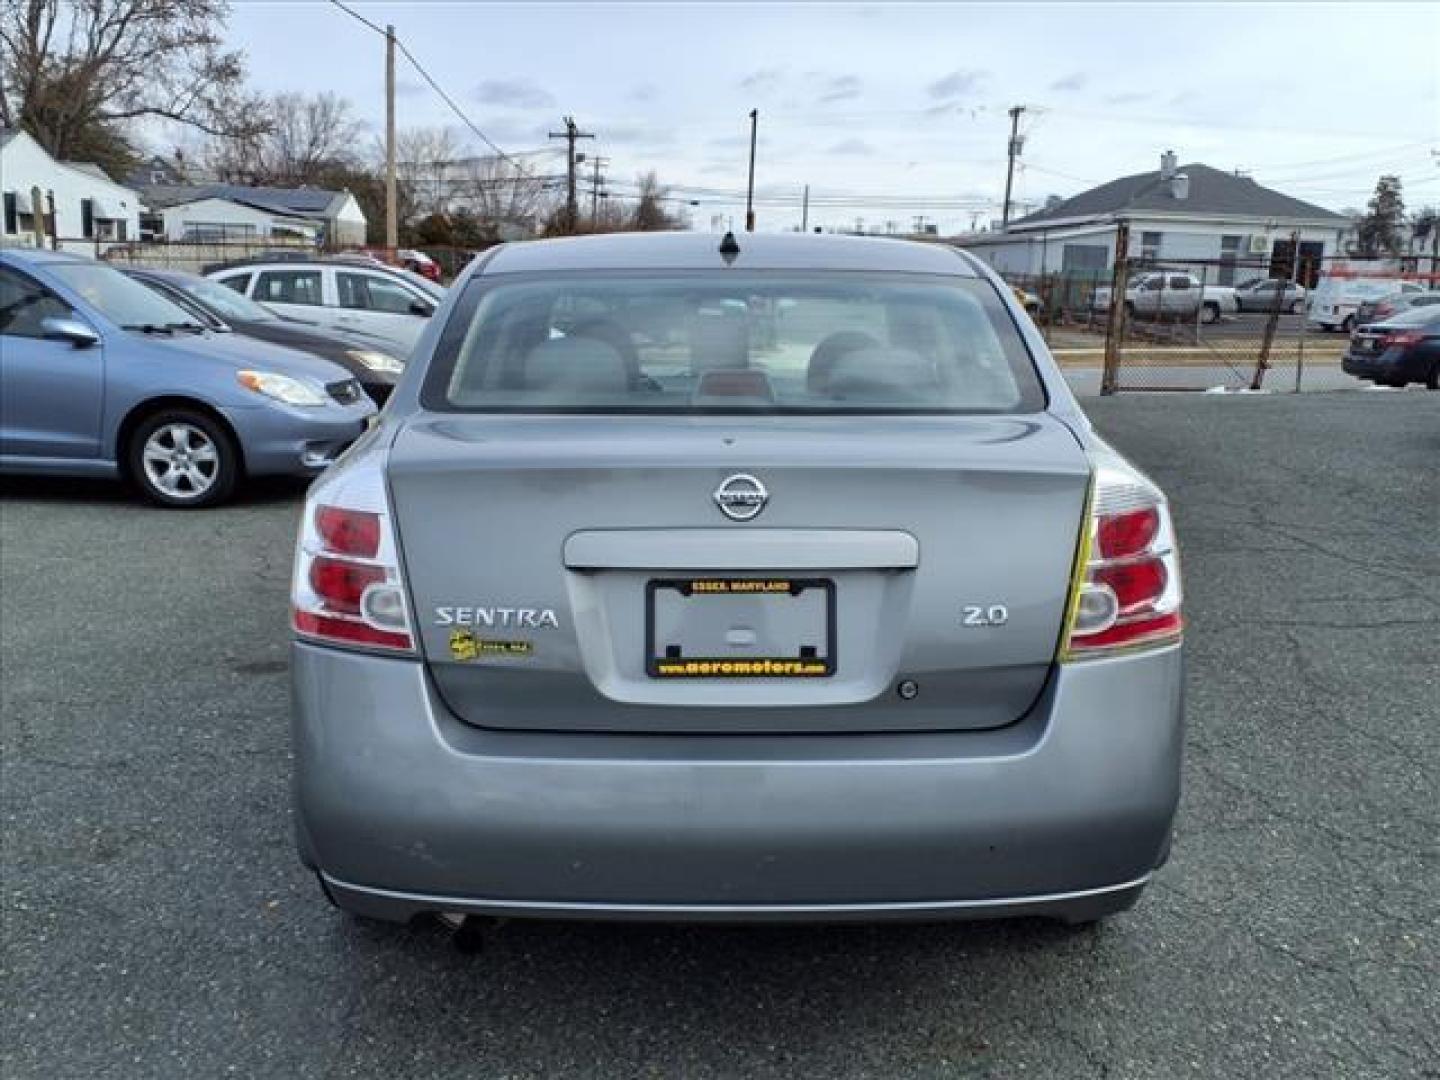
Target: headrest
x,y
719,341
576,363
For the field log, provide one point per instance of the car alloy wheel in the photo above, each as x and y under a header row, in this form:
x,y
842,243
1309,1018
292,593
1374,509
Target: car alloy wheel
x,y
183,459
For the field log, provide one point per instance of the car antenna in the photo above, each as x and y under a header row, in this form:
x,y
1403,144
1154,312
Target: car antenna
x,y
729,248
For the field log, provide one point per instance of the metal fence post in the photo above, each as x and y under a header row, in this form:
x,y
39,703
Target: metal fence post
x,y
1109,376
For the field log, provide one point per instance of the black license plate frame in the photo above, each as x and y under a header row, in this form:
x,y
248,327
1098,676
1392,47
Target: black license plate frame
x,y
686,668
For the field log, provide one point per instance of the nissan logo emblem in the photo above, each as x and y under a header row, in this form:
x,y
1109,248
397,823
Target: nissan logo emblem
x,y
741,497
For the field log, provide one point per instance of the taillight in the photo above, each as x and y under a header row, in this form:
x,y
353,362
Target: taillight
x,y
1405,337
1127,581
347,588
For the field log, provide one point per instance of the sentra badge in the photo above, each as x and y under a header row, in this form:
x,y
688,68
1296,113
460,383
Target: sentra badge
x,y
498,618
741,497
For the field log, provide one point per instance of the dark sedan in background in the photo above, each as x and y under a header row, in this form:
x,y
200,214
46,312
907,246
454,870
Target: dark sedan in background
x,y
1377,310
224,310
1398,351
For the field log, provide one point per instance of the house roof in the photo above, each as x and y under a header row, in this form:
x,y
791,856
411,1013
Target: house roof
x,y
89,168
1212,192
292,202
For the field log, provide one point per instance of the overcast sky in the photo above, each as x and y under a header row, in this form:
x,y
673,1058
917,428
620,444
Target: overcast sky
x,y
891,111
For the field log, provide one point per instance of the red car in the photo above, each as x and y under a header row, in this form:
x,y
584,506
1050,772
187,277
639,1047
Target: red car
x,y
406,258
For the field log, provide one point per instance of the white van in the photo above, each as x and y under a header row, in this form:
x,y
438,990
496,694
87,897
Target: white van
x,y
1335,299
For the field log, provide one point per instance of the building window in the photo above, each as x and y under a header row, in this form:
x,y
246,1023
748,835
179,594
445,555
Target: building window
x,y
87,218
1149,246
1229,256
218,232
12,214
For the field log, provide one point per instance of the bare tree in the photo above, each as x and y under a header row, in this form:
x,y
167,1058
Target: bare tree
x,y
650,214
74,72
306,139
427,161
504,193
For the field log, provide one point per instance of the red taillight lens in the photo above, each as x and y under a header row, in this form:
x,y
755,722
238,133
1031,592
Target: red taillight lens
x,y
1127,588
345,630
1135,585
1119,536
347,588
1405,338
348,532
340,584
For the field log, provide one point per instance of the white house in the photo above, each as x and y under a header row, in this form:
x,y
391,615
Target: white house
x,y
77,201
1226,225
227,213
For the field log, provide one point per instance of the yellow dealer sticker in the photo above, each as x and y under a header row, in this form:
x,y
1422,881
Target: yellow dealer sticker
x,y
464,645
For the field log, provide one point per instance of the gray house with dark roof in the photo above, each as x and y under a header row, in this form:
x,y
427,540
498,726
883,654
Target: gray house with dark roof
x,y
1219,222
214,213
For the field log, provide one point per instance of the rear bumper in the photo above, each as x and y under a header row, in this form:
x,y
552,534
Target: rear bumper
x,y
1391,364
402,808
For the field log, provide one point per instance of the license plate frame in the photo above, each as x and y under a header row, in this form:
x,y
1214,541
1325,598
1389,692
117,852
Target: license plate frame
x,y
660,665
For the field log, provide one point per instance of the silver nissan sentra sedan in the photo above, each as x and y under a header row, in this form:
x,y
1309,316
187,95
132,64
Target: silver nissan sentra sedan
x,y
779,578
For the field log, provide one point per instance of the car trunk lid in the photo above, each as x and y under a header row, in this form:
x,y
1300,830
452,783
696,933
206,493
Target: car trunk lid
x,y
556,563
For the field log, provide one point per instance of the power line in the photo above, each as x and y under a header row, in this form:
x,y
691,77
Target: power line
x,y
433,84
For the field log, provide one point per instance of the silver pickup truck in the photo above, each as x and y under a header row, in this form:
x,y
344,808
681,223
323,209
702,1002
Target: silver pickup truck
x,y
1170,292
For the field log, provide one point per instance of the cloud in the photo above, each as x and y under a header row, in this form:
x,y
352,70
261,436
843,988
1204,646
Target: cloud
x,y
852,147
515,93
840,88
762,81
513,131
1129,97
1074,81
643,134
957,83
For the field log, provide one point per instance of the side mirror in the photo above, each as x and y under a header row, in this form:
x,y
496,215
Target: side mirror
x,y
421,308
71,330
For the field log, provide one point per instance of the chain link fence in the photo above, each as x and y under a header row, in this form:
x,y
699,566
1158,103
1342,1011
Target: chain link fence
x,y
1197,324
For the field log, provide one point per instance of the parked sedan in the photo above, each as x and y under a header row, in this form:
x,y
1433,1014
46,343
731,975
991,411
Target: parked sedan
x,y
1394,303
333,294
1403,349
1263,295
224,310
835,607
101,376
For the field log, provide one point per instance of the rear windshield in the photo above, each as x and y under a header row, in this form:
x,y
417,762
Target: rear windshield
x,y
732,342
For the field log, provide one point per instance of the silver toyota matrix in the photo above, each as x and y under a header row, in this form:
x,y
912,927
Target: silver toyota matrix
x,y
779,578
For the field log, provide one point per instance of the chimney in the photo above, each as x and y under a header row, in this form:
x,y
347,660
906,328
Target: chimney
x,y
1168,164
1180,187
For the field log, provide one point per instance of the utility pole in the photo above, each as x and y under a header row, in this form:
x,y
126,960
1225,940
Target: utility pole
x,y
392,223
750,188
1015,143
595,181
570,134
805,210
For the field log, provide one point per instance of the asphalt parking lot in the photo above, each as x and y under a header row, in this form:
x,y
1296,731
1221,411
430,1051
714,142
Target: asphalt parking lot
x,y
156,923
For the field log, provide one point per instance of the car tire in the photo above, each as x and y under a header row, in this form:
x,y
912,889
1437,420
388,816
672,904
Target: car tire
x,y
1348,325
1297,306
1432,377
1129,310
1210,313
183,459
